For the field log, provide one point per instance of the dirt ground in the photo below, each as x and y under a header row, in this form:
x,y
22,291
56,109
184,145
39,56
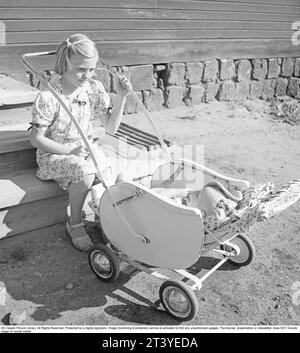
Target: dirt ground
x,y
49,283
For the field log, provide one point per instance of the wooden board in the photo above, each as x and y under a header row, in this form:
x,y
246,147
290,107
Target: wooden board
x,y
133,32
23,187
14,92
228,6
32,216
155,34
16,116
149,52
7,14
142,24
79,3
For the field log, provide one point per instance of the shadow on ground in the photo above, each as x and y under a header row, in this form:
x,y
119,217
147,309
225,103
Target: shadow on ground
x,y
50,280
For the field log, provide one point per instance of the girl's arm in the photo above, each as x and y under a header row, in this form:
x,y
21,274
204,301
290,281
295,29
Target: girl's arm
x,y
39,140
113,120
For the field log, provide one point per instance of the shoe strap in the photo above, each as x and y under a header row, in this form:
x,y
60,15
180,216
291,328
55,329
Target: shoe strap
x,y
73,226
76,225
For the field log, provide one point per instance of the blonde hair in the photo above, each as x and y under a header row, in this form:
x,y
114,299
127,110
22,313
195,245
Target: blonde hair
x,y
78,44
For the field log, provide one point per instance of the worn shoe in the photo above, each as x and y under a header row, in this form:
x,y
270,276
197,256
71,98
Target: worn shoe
x,y
79,237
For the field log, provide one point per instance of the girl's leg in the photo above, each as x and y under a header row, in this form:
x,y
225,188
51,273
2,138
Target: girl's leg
x,y
77,196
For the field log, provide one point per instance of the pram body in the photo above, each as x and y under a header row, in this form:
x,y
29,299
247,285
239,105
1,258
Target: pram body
x,y
149,230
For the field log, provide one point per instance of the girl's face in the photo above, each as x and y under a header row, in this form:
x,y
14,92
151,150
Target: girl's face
x,y
80,70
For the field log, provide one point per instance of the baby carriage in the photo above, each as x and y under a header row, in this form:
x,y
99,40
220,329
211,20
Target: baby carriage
x,y
149,229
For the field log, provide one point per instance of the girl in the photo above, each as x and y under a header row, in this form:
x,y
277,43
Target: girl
x,y
61,154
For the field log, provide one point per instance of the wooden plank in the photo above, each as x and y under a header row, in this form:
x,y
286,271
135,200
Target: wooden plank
x,y
10,117
179,4
15,92
8,83
79,3
272,2
32,216
12,97
23,187
154,34
226,6
194,50
155,14
149,52
58,25
18,161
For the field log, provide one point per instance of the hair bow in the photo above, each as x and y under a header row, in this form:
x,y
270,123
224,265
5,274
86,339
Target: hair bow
x,y
68,43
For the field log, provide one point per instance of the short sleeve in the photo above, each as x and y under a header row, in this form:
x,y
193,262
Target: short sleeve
x,y
43,109
101,98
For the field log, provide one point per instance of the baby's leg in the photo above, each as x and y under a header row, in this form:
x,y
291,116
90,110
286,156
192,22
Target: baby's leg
x,y
77,196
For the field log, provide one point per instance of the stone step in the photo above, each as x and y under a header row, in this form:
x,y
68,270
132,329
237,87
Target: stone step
x,y
27,203
16,151
21,187
13,92
32,216
15,115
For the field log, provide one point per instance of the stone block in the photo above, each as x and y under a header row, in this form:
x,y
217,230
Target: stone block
x,y
141,77
174,96
227,91
131,106
242,90
256,88
243,70
273,68
153,99
227,69
281,87
211,91
211,68
297,67
260,68
197,94
287,67
269,89
294,87
176,74
194,72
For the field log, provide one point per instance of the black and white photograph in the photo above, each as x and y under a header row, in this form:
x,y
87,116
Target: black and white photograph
x,y
149,168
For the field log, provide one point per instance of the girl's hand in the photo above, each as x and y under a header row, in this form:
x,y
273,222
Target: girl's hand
x,y
79,151
123,86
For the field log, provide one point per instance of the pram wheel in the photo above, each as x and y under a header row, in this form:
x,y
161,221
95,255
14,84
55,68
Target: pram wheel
x,y
104,263
246,247
179,300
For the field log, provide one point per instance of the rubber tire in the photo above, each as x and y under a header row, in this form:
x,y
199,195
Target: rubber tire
x,y
188,292
244,243
112,258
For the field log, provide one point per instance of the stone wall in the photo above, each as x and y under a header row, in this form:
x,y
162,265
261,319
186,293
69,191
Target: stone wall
x,y
174,84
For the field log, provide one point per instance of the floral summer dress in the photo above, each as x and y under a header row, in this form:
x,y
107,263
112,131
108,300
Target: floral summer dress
x,y
86,104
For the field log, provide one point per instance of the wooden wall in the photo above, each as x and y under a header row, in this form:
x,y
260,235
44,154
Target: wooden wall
x,y
132,32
